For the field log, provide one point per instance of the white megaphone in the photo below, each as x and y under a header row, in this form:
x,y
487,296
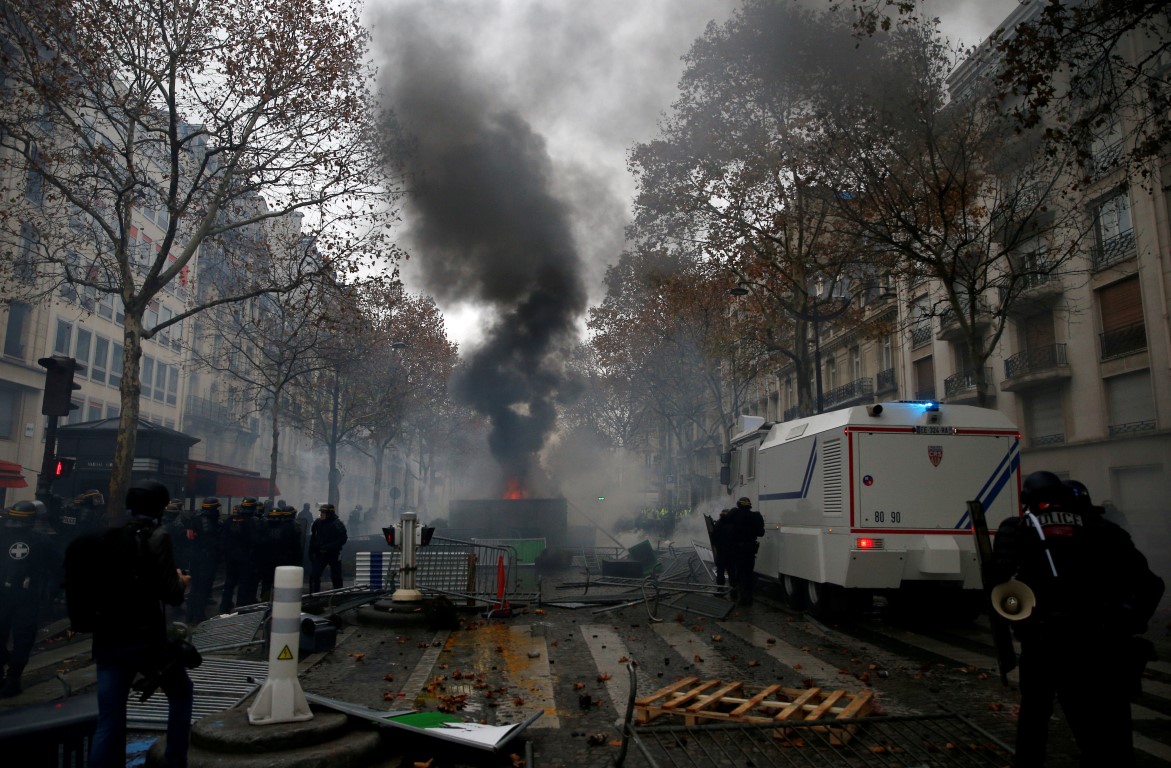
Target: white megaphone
x,y
1013,600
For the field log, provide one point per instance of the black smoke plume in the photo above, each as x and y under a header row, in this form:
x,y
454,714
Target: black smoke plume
x,y
485,228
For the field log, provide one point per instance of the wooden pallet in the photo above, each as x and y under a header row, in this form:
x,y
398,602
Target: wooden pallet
x,y
715,700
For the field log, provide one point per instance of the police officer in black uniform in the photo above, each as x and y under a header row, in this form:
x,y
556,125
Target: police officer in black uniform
x,y
86,513
1094,593
721,537
326,540
747,525
280,544
204,533
240,540
27,561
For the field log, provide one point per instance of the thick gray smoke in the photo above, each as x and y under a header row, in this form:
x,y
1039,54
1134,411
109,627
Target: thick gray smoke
x,y
486,227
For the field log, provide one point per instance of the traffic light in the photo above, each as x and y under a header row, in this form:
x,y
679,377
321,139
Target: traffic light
x,y
389,534
63,467
59,385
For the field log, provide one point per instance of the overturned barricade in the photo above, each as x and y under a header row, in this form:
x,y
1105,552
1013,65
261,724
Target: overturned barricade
x,y
674,579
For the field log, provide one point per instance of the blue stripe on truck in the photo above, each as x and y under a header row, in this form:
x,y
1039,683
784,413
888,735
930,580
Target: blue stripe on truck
x,y
804,484
995,484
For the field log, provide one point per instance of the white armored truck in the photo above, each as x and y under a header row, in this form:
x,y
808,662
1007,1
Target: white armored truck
x,y
873,500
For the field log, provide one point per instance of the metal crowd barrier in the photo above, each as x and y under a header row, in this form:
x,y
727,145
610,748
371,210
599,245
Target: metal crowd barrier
x,y
468,570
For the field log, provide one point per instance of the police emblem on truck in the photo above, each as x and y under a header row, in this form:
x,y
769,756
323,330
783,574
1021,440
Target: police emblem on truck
x,y
935,453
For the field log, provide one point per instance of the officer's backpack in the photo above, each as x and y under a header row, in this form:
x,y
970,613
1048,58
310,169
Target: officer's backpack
x,y
100,567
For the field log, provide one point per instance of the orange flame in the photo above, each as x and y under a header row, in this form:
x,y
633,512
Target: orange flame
x,y
514,491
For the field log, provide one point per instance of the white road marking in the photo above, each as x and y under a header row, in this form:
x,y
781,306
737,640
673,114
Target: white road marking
x,y
608,649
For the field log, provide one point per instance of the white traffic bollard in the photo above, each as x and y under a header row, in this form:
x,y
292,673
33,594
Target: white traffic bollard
x,y
281,699
407,591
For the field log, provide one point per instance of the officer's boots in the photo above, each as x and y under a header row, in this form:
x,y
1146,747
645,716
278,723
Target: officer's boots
x,y
11,686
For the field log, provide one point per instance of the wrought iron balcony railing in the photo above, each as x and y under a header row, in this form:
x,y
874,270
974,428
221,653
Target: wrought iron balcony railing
x,y
885,381
1123,341
964,382
1118,248
1044,358
920,336
863,387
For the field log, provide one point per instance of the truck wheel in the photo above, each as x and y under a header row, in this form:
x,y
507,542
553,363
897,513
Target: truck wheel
x,y
794,589
820,599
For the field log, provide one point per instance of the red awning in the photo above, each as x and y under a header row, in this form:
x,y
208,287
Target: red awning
x,y
205,478
12,475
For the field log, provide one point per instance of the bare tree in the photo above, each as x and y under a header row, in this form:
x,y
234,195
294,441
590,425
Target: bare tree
x,y
147,133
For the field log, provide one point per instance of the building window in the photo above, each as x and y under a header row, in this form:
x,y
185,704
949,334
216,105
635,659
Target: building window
x,y
1113,230
63,342
146,380
94,413
34,188
831,373
160,392
9,402
116,365
924,379
1130,403
920,323
82,350
112,411
1123,328
173,387
855,363
886,354
18,313
1044,419
100,365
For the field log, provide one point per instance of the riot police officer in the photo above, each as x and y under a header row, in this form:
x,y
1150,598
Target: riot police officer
x,y
747,525
240,539
204,533
175,523
27,562
1093,590
326,540
280,544
84,514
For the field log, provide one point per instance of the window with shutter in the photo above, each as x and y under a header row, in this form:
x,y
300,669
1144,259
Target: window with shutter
x,y
1121,308
1131,403
1044,420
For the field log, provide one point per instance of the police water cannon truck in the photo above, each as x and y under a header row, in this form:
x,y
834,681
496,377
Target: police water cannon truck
x,y
872,499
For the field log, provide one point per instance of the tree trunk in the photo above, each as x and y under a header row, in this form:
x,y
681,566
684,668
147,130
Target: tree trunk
x,y
276,439
334,479
127,440
379,455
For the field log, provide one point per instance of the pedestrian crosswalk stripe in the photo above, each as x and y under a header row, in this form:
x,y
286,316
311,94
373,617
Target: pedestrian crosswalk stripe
x,y
608,649
695,650
803,662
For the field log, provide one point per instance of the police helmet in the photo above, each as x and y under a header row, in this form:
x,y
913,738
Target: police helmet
x,y
328,509
148,497
92,497
21,514
1081,496
744,502
176,506
249,505
210,504
280,512
1043,489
